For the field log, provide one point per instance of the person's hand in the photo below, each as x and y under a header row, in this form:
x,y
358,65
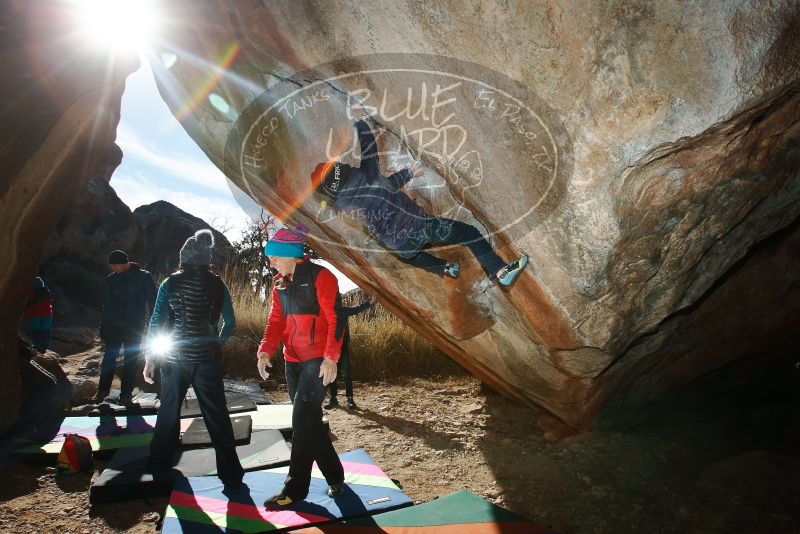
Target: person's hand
x,y
327,371
357,112
149,372
263,363
416,169
372,299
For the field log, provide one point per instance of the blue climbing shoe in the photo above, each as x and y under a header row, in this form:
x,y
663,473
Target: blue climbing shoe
x,y
512,270
452,269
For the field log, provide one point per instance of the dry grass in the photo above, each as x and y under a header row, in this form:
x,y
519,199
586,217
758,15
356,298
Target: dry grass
x,y
381,347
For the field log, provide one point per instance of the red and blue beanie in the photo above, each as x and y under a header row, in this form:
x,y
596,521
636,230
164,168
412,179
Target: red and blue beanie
x,y
287,243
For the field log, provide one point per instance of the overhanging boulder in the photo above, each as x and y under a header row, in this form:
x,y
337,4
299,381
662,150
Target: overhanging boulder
x,y
666,150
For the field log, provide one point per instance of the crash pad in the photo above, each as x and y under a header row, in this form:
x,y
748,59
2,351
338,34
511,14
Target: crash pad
x,y
141,404
235,402
275,417
103,433
126,475
461,512
197,504
197,434
250,390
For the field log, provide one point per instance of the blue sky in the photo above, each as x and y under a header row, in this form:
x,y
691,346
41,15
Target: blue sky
x,y
161,162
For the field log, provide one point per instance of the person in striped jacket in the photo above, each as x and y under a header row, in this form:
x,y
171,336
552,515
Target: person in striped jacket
x,y
37,320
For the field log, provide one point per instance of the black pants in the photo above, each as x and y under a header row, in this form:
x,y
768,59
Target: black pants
x,y
345,373
119,339
449,232
206,378
310,439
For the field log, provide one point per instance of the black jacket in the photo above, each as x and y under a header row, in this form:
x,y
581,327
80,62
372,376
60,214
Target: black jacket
x,y
128,300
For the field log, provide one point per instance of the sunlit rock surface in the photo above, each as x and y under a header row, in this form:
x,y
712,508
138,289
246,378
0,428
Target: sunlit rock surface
x,y
59,108
657,149
645,155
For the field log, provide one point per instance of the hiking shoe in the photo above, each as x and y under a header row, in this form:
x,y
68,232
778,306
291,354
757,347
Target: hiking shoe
x,y
452,269
335,490
512,270
278,502
99,397
333,403
351,404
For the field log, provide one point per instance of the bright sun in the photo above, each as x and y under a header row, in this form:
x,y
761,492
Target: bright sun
x,y
118,24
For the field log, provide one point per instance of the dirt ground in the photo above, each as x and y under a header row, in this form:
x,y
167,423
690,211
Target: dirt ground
x,y
692,472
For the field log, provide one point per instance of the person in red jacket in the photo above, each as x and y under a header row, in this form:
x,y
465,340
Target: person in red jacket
x,y
303,317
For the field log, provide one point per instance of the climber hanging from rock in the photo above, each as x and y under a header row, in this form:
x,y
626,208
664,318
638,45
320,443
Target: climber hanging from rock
x,y
400,224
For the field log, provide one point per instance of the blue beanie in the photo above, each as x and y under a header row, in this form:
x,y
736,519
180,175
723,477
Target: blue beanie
x,y
287,243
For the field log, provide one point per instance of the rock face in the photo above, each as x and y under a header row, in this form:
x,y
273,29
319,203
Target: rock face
x,y
166,229
60,110
75,258
639,152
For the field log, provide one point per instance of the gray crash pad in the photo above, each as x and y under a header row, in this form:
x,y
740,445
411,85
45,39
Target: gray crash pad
x,y
141,404
235,403
197,434
127,476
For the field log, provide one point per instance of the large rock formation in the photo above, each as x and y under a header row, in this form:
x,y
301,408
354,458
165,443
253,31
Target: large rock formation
x,y
75,256
645,154
97,221
166,229
638,151
60,108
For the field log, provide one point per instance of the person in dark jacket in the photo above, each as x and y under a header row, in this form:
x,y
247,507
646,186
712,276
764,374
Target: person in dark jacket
x,y
400,224
344,313
130,295
37,319
303,316
190,303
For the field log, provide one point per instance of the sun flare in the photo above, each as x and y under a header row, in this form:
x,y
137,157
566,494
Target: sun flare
x,y
128,25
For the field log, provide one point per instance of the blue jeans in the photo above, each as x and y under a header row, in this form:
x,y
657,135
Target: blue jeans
x,y
449,232
206,378
310,439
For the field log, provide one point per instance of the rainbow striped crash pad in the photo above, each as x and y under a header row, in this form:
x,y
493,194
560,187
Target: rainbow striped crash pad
x,y
461,512
197,504
109,432
103,433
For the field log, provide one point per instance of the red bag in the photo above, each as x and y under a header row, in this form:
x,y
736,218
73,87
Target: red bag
x,y
75,455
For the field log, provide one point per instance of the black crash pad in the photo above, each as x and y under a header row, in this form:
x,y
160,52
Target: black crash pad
x,y
141,404
126,476
234,387
197,433
235,403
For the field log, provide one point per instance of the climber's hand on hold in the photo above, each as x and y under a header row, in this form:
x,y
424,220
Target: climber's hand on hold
x,y
416,169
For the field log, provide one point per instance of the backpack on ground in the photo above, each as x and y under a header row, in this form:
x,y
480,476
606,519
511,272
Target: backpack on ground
x,y
75,455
